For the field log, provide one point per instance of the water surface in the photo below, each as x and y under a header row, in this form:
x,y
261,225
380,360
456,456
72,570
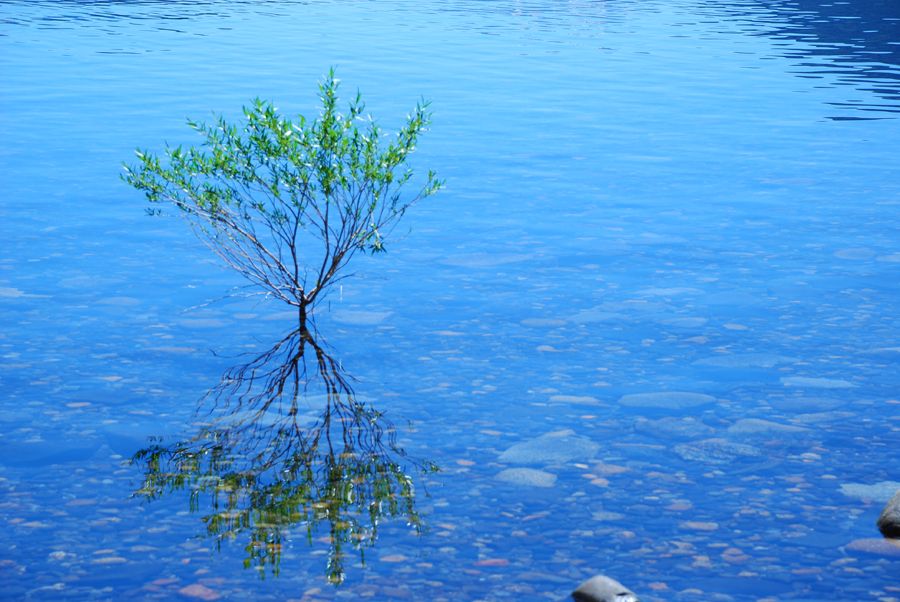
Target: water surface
x,y
649,329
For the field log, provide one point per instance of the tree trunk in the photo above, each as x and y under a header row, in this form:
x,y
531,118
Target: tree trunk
x,y
301,314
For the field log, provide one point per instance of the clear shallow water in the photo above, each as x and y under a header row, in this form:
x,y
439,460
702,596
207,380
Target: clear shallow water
x,y
642,197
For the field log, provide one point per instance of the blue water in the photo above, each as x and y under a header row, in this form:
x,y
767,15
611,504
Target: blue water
x,y
642,197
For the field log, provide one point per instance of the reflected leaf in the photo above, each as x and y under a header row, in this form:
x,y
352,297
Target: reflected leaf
x,y
276,454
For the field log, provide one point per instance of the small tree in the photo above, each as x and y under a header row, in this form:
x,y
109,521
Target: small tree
x,y
289,203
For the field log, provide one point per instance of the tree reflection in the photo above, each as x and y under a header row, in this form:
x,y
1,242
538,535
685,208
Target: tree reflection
x,y
279,452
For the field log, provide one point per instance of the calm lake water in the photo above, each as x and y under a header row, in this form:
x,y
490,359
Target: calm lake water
x,y
649,329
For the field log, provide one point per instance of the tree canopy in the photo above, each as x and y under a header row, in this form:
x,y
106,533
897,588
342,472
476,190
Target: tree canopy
x,y
288,203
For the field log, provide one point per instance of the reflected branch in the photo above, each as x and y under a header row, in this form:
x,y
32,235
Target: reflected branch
x,y
288,444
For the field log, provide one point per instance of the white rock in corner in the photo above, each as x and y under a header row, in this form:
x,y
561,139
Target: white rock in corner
x,y
603,589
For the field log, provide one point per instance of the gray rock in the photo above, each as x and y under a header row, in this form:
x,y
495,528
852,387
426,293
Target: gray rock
x,y
603,589
527,476
666,400
552,448
877,492
889,521
716,451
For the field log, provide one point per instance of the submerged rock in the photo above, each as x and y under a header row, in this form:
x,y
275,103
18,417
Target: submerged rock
x,y
666,400
668,292
757,426
889,521
484,260
745,360
670,427
879,547
359,317
199,591
552,448
855,253
716,451
603,516
581,400
590,316
816,383
684,322
805,404
877,492
819,417
527,476
603,589
47,453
